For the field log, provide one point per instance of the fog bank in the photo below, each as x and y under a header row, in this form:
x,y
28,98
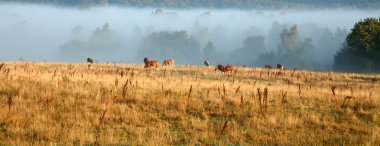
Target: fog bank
x,y
38,32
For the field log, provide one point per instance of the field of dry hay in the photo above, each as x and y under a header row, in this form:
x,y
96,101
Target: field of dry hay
x,y
57,103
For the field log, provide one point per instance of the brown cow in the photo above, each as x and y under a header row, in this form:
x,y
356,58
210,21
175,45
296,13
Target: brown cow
x,y
153,63
168,62
90,60
228,68
224,69
268,66
219,67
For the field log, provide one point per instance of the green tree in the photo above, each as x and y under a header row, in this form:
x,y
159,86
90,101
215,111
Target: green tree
x,y
363,42
364,38
347,61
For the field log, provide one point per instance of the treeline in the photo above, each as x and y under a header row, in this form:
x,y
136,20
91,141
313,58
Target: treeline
x,y
359,49
214,3
292,50
285,44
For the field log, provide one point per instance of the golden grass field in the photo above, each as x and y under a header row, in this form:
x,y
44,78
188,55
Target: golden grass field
x,y
73,104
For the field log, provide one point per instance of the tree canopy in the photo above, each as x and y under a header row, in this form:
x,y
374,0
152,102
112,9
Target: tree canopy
x,y
365,38
362,45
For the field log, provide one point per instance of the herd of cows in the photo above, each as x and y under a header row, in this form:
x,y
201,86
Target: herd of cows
x,y
170,62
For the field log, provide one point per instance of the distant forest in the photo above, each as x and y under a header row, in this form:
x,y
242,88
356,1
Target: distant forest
x,y
241,4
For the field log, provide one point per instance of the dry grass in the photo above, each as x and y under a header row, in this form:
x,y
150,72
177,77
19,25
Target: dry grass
x,y
56,103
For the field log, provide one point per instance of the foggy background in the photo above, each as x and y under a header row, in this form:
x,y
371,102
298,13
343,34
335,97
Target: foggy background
x,y
296,38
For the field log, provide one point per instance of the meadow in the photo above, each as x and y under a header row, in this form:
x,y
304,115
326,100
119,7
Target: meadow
x,y
105,104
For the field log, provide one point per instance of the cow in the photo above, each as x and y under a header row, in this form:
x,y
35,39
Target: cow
x,y
220,68
224,69
279,66
90,60
206,63
268,66
228,68
153,63
168,62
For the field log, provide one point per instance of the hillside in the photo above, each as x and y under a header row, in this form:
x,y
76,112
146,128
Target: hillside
x,y
58,103
215,3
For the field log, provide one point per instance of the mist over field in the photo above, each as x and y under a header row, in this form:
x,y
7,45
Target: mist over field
x,y
119,34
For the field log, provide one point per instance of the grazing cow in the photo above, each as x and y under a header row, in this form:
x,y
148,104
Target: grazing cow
x,y
279,66
268,66
90,60
220,68
228,68
153,63
206,63
168,62
224,69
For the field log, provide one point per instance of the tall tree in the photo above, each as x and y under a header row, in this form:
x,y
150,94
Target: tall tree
x,y
288,40
363,42
295,53
364,38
